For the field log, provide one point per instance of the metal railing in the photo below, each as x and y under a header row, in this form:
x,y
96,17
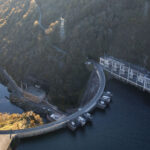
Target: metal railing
x,y
121,70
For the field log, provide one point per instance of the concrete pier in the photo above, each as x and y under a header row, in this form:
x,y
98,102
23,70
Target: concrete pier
x,y
5,141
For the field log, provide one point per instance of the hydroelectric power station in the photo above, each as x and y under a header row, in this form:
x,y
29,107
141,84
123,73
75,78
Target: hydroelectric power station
x,y
127,72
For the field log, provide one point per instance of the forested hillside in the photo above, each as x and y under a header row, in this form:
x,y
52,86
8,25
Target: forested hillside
x,y
30,39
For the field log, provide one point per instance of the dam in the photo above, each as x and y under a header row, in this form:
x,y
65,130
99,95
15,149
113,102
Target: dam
x,y
63,121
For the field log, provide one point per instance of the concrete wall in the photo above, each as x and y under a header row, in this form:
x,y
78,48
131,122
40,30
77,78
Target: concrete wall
x,y
46,128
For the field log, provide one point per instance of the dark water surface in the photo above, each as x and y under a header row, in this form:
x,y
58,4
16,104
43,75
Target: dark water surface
x,y
125,125
5,105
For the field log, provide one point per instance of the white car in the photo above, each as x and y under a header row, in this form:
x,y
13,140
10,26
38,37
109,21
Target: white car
x,y
54,116
37,86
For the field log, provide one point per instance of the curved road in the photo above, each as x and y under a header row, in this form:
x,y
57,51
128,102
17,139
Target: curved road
x,y
40,18
62,122
43,28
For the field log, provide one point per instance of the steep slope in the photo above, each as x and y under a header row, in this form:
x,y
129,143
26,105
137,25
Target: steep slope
x,y
27,50
31,44
19,121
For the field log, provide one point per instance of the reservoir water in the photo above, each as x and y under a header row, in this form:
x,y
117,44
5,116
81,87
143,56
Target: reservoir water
x,y
123,126
5,105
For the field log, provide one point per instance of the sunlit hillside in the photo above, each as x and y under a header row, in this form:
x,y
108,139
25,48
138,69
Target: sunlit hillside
x,y
19,121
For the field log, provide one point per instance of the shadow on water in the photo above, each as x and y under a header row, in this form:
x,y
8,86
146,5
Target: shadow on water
x,y
124,125
5,104
54,134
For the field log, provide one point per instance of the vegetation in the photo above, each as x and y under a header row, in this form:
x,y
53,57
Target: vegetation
x,y
92,28
19,121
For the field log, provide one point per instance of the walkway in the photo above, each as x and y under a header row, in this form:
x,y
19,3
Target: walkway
x,y
46,128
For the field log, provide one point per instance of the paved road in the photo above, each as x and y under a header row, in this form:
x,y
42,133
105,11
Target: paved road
x,y
62,122
40,18
43,28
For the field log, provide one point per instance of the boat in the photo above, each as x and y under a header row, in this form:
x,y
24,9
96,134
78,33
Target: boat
x,y
101,104
87,116
106,99
72,125
108,93
81,120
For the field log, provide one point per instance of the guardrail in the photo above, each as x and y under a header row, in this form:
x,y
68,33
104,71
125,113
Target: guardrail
x,y
46,128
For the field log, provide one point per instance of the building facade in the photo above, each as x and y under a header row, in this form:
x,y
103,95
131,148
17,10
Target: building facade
x,y
122,70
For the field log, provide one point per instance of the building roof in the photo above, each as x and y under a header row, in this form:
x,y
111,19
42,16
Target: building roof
x,y
132,66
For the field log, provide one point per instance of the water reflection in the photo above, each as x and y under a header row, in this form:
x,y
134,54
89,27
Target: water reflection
x,y
5,104
123,126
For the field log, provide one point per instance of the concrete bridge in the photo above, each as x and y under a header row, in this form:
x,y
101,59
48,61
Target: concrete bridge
x,y
62,122
126,72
